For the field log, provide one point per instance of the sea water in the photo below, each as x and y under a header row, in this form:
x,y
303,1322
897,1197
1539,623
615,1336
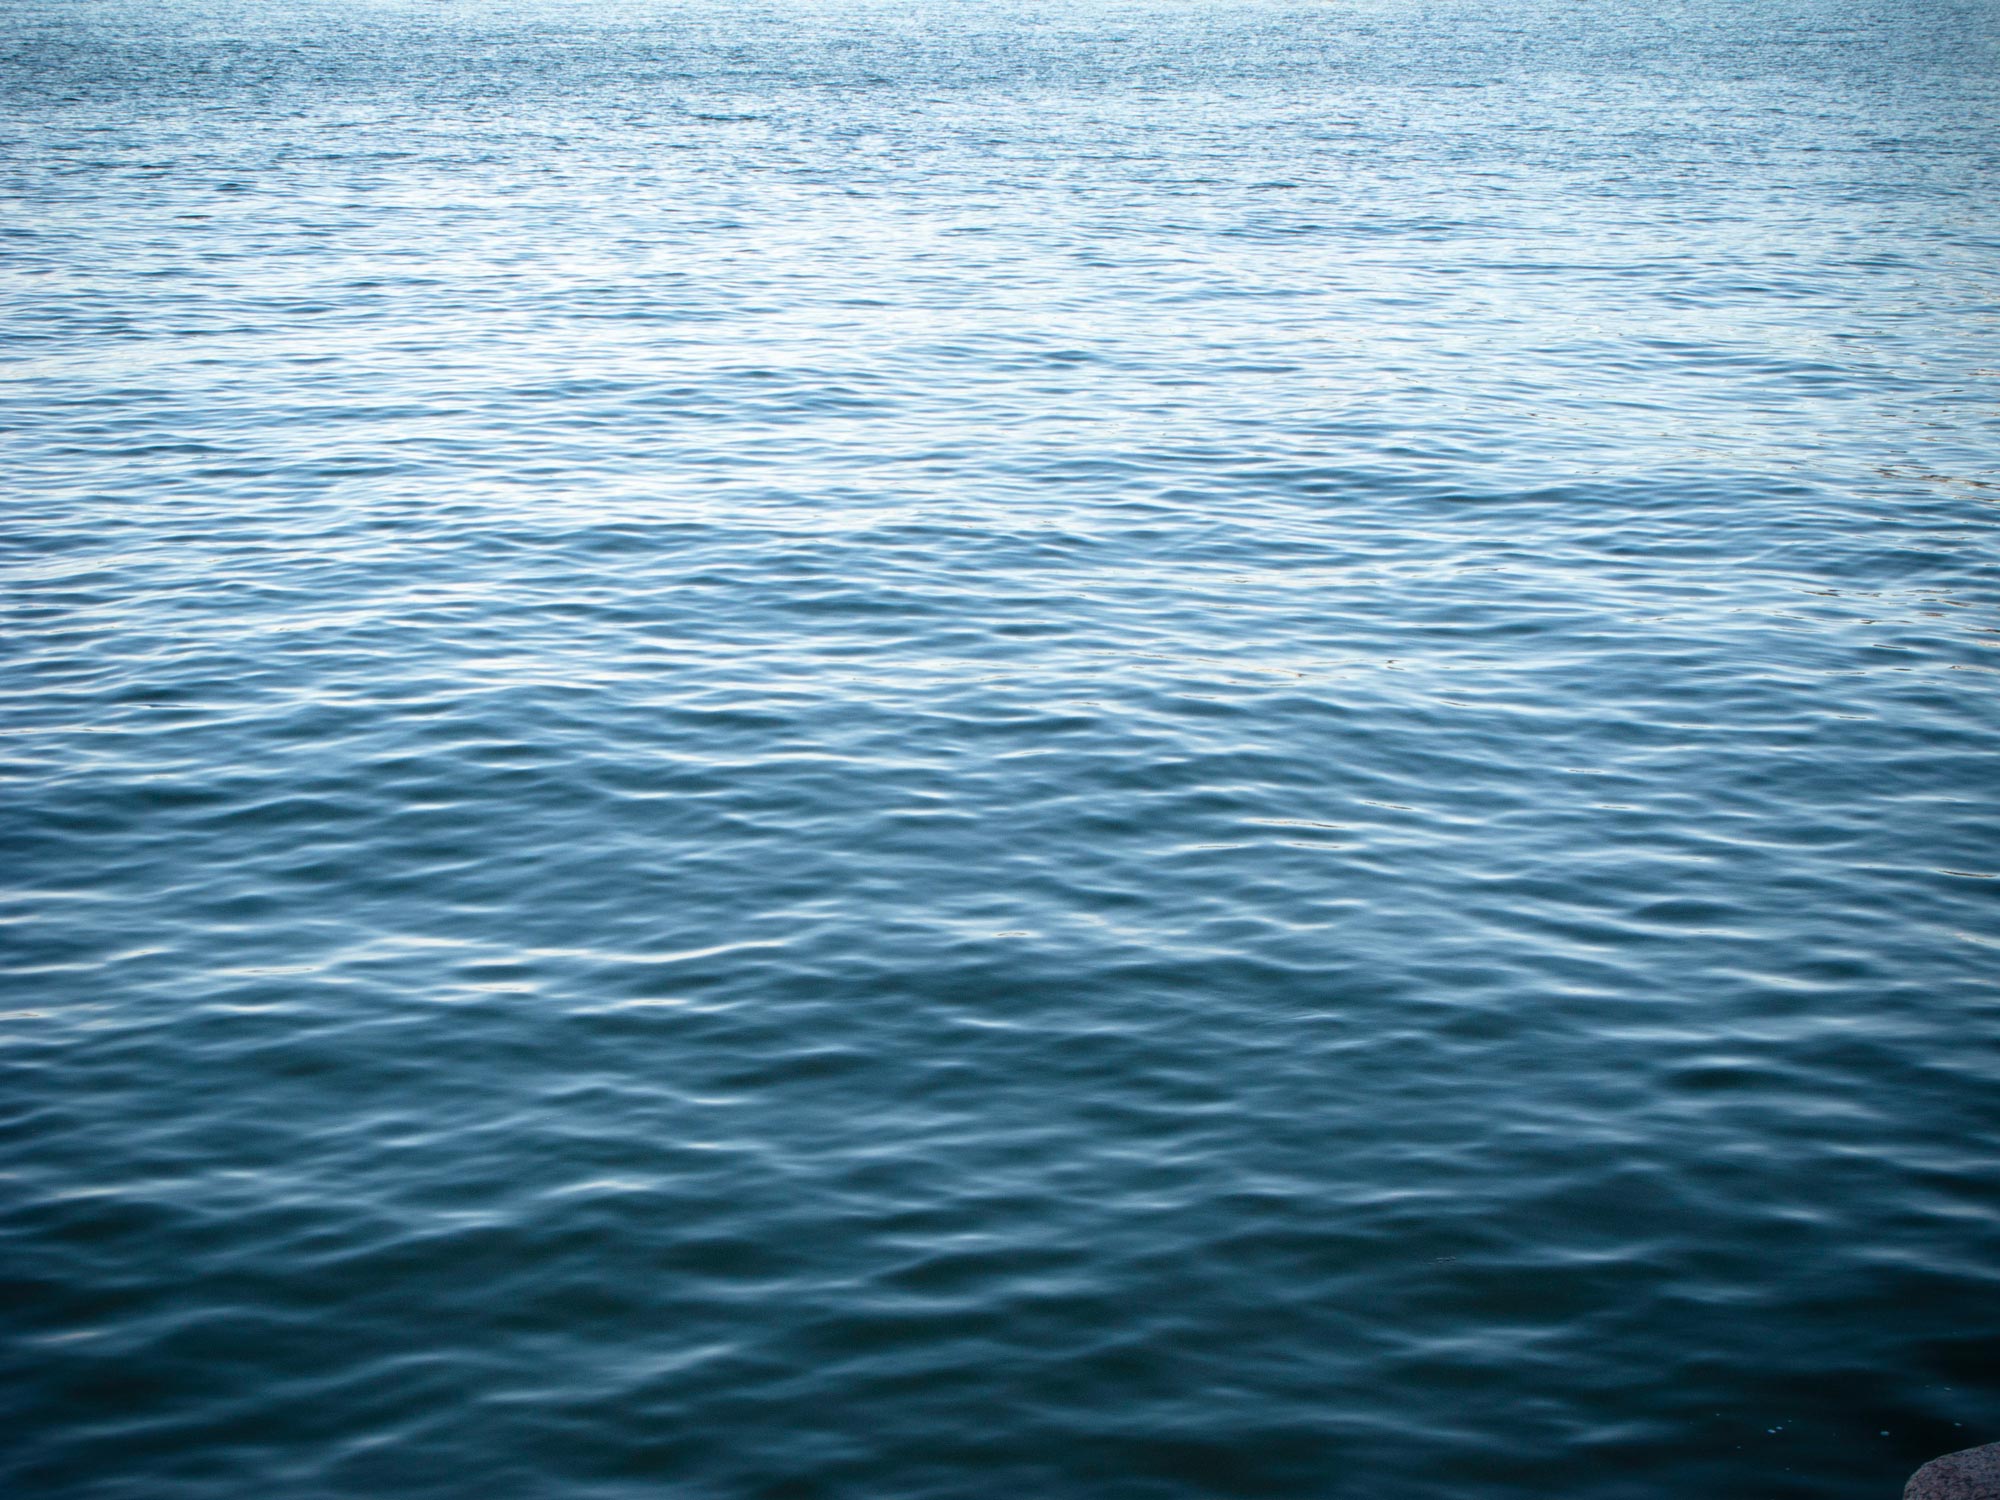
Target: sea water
x,y
998,751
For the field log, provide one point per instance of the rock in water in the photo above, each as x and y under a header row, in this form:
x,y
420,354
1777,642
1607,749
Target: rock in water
x,y
1969,1474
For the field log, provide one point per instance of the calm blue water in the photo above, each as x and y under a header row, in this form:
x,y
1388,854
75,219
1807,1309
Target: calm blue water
x,y
760,751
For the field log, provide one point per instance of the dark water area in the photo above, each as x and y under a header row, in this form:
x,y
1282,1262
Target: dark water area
x,y
1094,752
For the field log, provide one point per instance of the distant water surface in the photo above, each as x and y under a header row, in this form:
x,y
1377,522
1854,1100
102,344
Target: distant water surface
x,y
786,751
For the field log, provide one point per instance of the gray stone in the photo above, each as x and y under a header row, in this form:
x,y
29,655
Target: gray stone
x,y
1969,1474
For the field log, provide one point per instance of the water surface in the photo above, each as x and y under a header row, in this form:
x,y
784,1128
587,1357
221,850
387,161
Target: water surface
x,y
1094,752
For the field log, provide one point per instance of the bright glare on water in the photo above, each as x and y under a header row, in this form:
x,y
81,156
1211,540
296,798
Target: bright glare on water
x,y
983,751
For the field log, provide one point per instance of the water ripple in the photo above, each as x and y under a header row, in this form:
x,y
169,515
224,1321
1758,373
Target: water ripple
x,y
884,750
